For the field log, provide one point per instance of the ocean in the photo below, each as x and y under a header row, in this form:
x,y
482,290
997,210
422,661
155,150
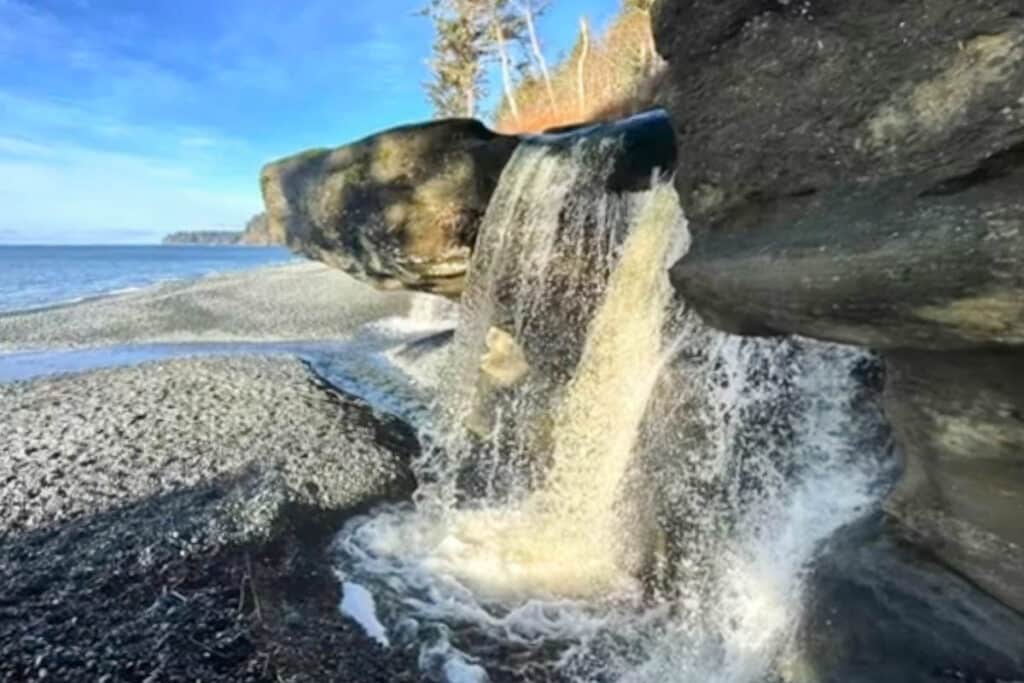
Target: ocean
x,y
34,277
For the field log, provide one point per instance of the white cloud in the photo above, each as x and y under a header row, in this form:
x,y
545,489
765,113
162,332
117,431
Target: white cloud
x,y
134,125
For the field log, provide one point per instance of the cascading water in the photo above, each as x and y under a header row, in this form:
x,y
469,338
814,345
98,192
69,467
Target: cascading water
x,y
614,492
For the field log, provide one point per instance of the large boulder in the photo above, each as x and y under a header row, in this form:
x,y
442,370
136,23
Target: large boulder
x,y
854,171
399,209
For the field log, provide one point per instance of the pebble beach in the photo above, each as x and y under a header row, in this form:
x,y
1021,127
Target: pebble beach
x,y
172,520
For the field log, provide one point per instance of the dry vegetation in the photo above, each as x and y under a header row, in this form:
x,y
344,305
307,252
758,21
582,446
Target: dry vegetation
x,y
605,76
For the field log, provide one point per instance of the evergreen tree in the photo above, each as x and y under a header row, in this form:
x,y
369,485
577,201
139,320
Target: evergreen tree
x,y
462,38
467,34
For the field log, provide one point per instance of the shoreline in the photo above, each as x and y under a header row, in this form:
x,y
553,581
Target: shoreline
x,y
25,366
293,302
146,287
178,460
65,303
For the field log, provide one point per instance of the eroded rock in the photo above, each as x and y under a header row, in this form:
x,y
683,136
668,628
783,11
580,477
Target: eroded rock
x,y
399,209
960,420
873,266
878,609
854,172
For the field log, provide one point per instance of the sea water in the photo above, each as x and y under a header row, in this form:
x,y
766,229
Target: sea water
x,y
37,276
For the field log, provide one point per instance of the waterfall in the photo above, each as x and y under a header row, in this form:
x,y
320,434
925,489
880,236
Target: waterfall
x,y
614,491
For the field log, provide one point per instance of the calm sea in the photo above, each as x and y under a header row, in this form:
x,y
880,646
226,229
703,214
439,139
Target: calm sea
x,y
39,276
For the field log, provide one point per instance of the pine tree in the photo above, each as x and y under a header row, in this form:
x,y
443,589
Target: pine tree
x,y
469,33
457,60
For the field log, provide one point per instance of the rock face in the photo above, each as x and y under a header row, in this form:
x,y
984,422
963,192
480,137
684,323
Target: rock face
x,y
778,101
397,209
862,162
960,419
873,265
855,172
879,612
256,234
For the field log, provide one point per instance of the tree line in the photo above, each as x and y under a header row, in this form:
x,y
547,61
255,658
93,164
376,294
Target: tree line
x,y
471,35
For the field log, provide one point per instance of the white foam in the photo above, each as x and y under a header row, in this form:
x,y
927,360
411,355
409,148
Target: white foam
x,y
709,466
358,603
458,670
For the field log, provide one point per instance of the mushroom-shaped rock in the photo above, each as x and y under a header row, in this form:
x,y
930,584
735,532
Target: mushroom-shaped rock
x,y
399,209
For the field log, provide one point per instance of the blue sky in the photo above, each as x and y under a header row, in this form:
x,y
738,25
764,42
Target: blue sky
x,y
122,120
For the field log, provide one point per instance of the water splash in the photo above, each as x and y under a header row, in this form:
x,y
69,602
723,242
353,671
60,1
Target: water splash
x,y
519,549
617,492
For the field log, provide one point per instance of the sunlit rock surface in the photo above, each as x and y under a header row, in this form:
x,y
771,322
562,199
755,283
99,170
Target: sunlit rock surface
x,y
852,171
399,209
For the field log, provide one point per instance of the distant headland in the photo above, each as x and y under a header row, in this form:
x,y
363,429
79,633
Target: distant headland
x,y
254,234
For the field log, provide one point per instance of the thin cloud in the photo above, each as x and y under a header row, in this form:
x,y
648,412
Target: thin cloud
x,y
116,116
91,194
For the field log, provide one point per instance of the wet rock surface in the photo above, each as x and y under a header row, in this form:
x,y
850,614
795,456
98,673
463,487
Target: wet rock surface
x,y
644,148
853,172
881,610
959,418
172,522
399,209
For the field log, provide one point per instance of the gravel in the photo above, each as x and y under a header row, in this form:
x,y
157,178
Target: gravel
x,y
170,521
